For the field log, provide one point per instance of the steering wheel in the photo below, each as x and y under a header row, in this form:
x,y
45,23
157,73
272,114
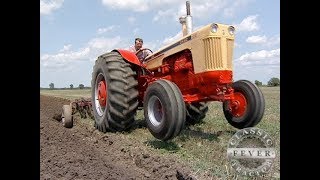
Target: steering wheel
x,y
143,49
141,55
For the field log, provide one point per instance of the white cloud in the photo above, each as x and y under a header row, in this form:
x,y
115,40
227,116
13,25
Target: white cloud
x,y
260,55
199,9
154,46
205,8
136,5
163,16
274,40
261,65
77,64
248,24
131,20
264,40
46,6
171,39
139,5
107,29
260,73
67,58
66,48
104,43
256,39
235,6
168,10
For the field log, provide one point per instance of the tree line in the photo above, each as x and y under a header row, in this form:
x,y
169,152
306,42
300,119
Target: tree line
x,y
80,86
272,82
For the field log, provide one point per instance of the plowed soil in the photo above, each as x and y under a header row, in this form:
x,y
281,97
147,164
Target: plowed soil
x,y
82,152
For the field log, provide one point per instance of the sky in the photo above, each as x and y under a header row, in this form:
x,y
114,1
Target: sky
x,y
73,33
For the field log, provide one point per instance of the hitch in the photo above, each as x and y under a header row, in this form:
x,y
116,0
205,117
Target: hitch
x,y
83,106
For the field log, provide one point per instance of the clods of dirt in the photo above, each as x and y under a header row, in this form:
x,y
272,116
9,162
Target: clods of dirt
x,y
82,152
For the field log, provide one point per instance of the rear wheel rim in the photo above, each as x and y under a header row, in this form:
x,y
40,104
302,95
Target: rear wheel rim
x,y
101,94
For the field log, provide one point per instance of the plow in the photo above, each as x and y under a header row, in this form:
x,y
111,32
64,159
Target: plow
x,y
172,85
81,106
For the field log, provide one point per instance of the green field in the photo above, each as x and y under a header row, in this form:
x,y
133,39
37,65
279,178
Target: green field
x,y
203,146
68,94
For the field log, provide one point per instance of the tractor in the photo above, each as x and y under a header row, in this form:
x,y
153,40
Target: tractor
x,y
173,85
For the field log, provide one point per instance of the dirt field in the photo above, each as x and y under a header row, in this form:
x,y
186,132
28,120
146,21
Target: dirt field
x,y
85,153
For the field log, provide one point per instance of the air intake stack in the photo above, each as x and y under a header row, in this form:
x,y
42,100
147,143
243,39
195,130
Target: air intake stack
x,y
186,21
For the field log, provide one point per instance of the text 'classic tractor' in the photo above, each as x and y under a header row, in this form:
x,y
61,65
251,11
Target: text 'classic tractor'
x,y
174,84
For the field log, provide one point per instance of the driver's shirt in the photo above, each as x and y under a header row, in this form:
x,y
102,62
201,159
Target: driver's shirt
x,y
141,56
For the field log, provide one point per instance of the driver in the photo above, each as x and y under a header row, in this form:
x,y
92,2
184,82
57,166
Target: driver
x,y
141,52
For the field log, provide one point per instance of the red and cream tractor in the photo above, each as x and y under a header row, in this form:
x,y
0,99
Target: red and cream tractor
x,y
174,84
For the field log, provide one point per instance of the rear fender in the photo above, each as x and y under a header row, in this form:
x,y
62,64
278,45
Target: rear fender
x,y
129,56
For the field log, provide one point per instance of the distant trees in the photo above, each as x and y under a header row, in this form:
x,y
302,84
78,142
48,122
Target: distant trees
x,y
274,82
258,83
81,86
51,85
71,86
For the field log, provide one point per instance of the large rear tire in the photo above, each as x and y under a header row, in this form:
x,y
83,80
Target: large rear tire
x,y
114,94
247,109
196,112
164,109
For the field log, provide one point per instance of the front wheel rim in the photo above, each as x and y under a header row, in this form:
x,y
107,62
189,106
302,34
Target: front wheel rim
x,y
155,111
238,105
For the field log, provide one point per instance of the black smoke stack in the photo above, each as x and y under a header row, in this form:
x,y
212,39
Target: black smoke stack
x,y
186,21
188,8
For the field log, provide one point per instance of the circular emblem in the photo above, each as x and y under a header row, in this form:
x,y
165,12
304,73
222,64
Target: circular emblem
x,y
251,152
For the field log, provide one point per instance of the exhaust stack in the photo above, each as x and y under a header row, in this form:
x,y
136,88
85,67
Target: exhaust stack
x,y
186,21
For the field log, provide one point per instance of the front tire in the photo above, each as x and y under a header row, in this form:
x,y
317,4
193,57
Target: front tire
x,y
164,109
247,108
114,94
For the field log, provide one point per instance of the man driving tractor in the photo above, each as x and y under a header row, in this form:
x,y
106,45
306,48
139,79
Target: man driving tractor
x,y
137,48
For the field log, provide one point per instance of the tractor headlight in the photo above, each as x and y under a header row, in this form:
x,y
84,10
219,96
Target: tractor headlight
x,y
214,28
231,30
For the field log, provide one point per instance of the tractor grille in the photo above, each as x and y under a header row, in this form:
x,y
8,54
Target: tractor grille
x,y
213,54
229,53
